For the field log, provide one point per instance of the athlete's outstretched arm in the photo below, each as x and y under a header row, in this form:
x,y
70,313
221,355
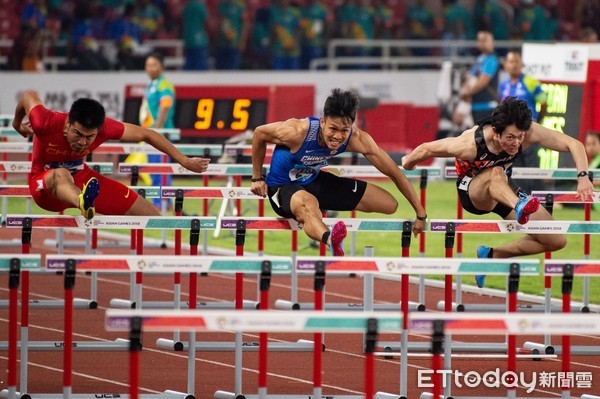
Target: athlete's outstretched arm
x,y
462,147
28,100
134,133
558,141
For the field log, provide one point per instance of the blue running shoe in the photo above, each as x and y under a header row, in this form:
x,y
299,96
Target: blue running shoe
x,y
338,233
482,252
525,207
88,195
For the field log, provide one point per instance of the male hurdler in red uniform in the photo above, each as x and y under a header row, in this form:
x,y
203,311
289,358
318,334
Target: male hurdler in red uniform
x,y
60,178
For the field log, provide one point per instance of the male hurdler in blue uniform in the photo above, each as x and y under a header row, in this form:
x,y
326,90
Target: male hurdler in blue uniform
x,y
298,189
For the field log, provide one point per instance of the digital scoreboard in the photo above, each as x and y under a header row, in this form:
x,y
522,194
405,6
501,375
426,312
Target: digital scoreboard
x,y
219,112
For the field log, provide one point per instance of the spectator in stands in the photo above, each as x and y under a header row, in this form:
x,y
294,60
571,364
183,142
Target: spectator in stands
x,y
525,87
25,53
361,27
85,47
232,22
532,23
149,17
35,14
458,24
285,34
259,53
98,21
127,35
195,38
587,14
489,16
588,35
420,25
481,82
342,13
384,19
316,23
592,150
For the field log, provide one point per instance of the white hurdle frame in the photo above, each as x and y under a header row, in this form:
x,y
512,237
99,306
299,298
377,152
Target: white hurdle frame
x,y
508,323
260,322
421,266
185,264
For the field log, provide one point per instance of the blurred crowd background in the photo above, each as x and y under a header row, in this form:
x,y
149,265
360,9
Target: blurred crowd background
x,y
263,34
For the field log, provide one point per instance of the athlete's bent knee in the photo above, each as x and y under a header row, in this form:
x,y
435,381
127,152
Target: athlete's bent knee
x,y
498,173
392,207
556,243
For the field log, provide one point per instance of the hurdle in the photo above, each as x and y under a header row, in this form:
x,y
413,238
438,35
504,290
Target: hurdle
x,y
262,322
511,226
111,222
357,171
22,191
239,303
272,223
13,264
424,266
568,197
511,324
184,264
25,167
162,264
517,173
568,269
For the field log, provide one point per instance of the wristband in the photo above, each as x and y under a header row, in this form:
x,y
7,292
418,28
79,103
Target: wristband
x,y
583,173
423,218
255,179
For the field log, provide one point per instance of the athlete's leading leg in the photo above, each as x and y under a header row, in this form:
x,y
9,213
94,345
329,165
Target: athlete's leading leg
x,y
489,188
61,185
305,208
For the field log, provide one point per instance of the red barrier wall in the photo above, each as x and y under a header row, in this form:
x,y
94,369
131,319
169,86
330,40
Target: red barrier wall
x,y
401,127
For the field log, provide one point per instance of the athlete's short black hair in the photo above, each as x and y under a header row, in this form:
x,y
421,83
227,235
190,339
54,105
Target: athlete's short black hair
x,y
87,112
341,104
512,111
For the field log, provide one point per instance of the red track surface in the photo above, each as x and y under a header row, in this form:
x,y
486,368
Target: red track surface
x,y
289,373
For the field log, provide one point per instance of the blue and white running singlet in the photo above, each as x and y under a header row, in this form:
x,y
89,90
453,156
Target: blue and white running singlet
x,y
303,166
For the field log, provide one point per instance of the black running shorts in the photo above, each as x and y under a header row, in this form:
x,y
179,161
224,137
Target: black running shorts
x,y
334,193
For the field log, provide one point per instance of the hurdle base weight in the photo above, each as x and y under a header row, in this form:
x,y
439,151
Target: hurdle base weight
x,y
492,347
227,395
541,348
557,349
476,307
118,344
78,303
283,304
127,304
299,346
